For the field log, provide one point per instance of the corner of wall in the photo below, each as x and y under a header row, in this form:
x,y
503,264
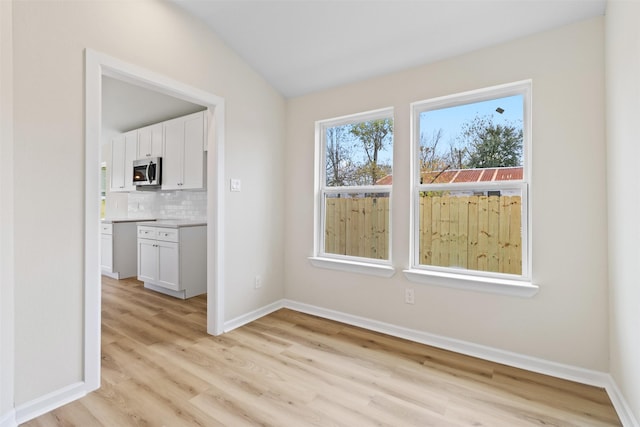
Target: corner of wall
x,y
7,413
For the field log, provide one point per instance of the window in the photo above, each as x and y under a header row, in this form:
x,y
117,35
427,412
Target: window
x,y
470,175
353,176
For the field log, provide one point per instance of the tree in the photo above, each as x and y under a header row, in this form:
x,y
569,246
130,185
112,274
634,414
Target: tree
x,y
430,157
340,167
373,135
492,145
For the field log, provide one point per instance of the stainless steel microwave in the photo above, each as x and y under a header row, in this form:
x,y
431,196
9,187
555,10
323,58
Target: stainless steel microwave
x,y
147,172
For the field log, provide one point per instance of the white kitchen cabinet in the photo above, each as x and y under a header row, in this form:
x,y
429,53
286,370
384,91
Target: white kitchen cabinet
x,y
183,161
106,252
123,152
173,260
118,249
150,141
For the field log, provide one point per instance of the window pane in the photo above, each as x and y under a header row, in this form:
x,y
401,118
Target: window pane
x,y
358,153
480,231
477,142
357,225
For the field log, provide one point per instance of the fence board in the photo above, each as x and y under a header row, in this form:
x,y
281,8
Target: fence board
x,y
474,234
493,230
462,246
471,232
483,233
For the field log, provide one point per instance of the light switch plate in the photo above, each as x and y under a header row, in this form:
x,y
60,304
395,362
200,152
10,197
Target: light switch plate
x,y
236,185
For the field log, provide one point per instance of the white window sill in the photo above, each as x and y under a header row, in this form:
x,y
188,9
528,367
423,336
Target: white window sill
x,y
493,285
353,266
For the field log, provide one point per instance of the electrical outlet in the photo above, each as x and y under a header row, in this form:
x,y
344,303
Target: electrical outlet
x,y
258,282
409,296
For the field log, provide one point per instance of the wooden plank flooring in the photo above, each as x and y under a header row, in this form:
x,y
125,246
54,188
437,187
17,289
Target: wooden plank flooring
x,y
160,368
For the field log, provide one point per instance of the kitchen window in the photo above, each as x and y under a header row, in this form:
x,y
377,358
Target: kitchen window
x,y
354,166
470,190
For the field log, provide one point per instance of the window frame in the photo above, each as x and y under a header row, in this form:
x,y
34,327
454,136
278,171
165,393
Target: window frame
x,y
485,281
321,258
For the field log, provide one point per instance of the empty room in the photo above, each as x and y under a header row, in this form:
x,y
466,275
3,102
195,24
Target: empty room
x,y
319,213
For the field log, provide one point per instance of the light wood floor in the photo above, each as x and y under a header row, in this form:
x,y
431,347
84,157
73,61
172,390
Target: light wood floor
x,y
160,368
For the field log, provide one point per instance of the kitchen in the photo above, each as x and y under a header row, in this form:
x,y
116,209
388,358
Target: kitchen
x,y
153,189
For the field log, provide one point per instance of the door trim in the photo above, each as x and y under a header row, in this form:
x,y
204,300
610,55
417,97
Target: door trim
x,y
97,65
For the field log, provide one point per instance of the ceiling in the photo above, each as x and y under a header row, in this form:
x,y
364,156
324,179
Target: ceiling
x,y
310,45
304,46
126,106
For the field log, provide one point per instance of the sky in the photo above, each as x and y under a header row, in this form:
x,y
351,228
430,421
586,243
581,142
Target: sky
x,y
450,120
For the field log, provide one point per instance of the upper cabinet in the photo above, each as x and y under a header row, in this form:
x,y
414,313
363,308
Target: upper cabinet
x,y
123,153
150,141
183,161
181,144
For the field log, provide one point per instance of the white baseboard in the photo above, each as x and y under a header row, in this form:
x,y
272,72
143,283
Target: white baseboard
x,y
53,400
558,370
8,419
620,404
254,315
30,410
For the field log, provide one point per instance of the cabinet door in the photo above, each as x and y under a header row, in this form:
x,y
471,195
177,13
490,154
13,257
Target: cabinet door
x,y
117,163
106,252
173,151
150,141
168,268
193,164
147,260
123,153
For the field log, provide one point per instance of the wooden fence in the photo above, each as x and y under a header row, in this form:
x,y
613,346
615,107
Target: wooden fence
x,y
472,232
357,227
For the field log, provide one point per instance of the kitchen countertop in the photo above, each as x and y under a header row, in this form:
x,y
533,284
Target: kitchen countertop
x,y
115,220
173,223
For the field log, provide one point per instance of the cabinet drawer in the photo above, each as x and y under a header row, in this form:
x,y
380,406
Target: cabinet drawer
x,y
145,232
106,228
167,234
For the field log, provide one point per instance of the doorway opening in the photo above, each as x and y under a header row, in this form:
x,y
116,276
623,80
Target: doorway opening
x,y
97,66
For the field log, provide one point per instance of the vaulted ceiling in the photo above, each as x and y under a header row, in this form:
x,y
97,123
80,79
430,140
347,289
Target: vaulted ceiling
x,y
309,45
302,46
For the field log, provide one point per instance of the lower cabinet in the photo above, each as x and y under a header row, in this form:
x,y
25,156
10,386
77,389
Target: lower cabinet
x,y
173,260
118,249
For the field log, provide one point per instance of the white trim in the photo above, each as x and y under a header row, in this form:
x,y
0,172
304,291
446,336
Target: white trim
x,y
350,265
320,187
56,399
251,316
533,364
96,65
490,284
50,401
418,272
620,404
215,216
92,297
558,370
9,419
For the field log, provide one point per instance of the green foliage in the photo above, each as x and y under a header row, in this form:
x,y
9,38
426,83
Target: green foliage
x,y
491,145
374,136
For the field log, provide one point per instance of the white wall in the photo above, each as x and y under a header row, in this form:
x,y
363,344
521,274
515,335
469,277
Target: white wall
x,y
49,42
623,152
6,215
566,321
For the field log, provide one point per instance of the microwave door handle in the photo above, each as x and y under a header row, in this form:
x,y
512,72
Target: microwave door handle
x,y
147,173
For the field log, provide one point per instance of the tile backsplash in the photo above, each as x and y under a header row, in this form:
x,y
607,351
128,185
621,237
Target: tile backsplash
x,y
190,205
